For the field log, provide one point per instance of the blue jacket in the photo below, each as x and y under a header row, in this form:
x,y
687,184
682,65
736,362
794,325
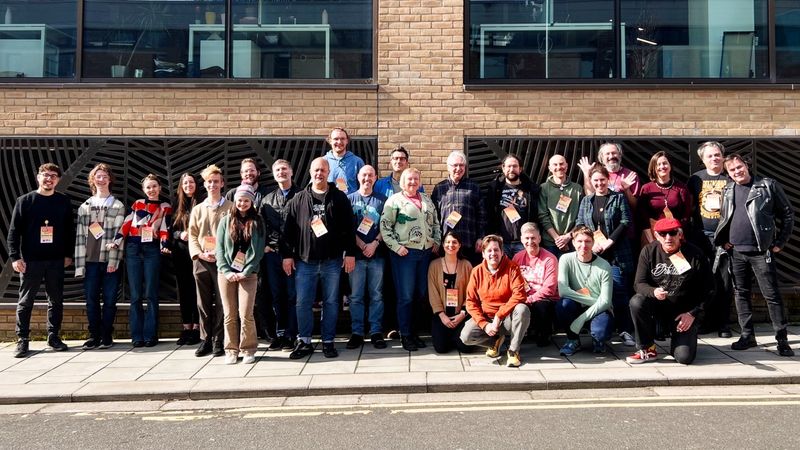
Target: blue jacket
x,y
384,187
617,212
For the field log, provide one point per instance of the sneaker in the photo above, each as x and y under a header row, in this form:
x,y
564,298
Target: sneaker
x,y
513,359
137,344
345,303
91,344
408,344
317,306
54,342
231,357
287,344
329,350
418,340
204,349
377,341
106,343
301,350
276,343
744,343
184,337
784,349
494,350
571,347
725,332
627,339
356,341
22,348
249,359
151,342
598,346
217,347
642,356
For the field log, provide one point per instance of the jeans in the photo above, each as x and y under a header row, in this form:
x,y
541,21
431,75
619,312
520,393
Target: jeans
x,y
621,299
284,295
308,275
367,278
53,273
96,281
514,325
600,326
143,261
410,274
763,265
512,248
647,311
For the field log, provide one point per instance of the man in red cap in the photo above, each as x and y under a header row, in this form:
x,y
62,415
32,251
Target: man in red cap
x,y
673,286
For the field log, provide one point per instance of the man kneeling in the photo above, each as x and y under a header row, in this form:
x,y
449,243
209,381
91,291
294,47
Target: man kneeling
x,y
673,285
496,303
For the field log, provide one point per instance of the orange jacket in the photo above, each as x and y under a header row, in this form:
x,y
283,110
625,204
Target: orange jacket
x,y
490,295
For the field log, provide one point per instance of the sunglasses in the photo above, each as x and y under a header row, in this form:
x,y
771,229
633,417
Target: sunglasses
x,y
666,233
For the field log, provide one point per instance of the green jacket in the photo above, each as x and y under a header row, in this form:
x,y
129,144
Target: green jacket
x,y
225,249
549,216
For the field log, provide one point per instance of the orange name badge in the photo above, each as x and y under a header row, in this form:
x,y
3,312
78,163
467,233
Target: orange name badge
x,y
512,213
341,184
452,220
563,203
713,202
451,300
680,263
146,233
209,243
583,291
365,225
96,230
46,234
318,227
238,262
668,213
599,237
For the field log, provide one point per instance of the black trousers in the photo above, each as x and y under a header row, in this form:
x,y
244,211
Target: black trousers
x,y
187,288
52,271
762,264
209,301
646,311
446,339
543,315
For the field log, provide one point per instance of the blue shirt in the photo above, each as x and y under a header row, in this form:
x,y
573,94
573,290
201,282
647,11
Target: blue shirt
x,y
346,168
385,187
370,207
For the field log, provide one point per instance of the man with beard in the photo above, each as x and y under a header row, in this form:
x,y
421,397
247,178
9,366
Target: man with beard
x,y
390,184
620,179
343,163
513,199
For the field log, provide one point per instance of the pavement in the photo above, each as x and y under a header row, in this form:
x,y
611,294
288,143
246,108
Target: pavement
x,y
168,372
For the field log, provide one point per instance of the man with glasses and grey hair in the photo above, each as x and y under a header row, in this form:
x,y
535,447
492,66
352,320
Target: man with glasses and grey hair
x,y
706,186
620,179
460,205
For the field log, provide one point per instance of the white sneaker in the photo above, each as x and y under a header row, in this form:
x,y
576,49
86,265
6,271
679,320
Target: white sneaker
x,y
231,357
249,359
627,339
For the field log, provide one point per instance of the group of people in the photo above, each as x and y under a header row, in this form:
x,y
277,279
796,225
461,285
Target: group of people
x,y
524,259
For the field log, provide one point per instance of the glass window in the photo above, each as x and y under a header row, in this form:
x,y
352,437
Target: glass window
x,y
695,38
37,42
787,39
541,39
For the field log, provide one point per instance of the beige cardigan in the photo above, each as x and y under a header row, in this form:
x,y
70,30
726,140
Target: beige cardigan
x,y
436,290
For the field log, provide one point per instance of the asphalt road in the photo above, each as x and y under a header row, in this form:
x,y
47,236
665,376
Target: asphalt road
x,y
714,422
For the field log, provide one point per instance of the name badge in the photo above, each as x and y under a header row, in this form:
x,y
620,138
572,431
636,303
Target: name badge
x,y
97,230
341,183
563,203
599,237
46,234
583,291
209,243
712,202
365,225
512,213
452,219
680,263
451,300
146,233
238,262
318,227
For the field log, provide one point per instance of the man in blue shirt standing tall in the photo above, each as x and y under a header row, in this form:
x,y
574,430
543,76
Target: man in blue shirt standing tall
x,y
344,164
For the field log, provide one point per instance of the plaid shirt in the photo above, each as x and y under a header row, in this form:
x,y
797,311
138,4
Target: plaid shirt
x,y
465,198
112,222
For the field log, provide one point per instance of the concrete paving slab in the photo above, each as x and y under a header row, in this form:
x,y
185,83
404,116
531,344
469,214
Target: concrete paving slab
x,y
98,356
601,363
18,377
71,372
251,387
727,374
166,376
187,353
216,371
104,407
257,372
25,408
400,361
392,347
323,400
466,397
382,399
763,357
433,356
602,378
40,393
716,391
179,365
230,404
427,365
368,383
567,394
382,369
134,390
331,367
509,379
117,374
137,360
43,362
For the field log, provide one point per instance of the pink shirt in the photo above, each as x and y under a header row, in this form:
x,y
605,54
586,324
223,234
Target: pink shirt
x,y
540,273
615,181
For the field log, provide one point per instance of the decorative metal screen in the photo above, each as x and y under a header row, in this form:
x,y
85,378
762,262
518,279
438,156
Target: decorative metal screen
x,y
774,158
131,159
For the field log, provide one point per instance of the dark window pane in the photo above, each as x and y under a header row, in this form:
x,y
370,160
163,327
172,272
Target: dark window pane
x,y
787,39
37,42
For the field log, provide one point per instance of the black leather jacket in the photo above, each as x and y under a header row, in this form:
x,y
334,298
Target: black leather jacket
x,y
766,203
273,211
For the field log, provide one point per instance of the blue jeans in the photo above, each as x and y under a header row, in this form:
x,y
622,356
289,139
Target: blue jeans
x,y
367,278
308,275
600,326
512,248
96,281
411,285
621,299
143,262
284,295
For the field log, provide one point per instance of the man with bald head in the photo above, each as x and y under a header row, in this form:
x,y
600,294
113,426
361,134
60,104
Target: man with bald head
x,y
367,277
317,231
559,199
460,205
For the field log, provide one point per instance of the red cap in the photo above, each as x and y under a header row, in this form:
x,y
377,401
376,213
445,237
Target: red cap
x,y
666,225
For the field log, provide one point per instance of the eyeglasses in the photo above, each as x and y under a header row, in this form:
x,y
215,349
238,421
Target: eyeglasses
x,y
672,233
49,176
